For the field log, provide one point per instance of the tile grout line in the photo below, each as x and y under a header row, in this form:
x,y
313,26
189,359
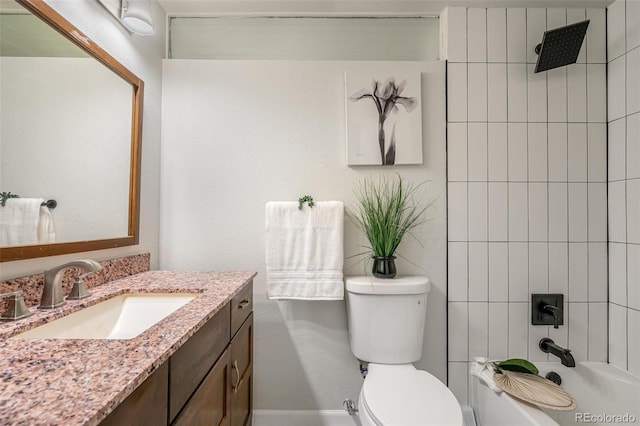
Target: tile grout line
x,y
467,379
586,106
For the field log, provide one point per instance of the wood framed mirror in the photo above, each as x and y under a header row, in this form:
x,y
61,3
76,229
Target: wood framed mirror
x,y
78,164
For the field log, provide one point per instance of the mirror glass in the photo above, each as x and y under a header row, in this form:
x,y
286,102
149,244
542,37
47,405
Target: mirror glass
x,y
68,132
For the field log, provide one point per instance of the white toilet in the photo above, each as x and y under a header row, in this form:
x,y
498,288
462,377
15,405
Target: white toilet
x,y
386,329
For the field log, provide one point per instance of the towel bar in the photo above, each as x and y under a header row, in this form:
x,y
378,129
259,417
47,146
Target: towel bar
x,y
52,204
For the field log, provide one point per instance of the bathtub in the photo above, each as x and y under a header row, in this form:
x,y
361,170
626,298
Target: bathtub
x,y
605,396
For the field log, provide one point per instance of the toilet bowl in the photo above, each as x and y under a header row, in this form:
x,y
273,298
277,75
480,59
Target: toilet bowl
x,y
401,395
386,329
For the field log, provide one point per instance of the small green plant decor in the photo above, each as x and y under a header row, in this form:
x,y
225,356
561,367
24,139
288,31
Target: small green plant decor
x,y
386,211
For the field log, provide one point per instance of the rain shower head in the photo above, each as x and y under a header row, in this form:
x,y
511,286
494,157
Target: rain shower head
x,y
560,46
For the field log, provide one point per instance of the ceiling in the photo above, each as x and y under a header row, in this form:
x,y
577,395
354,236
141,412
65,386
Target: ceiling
x,y
350,7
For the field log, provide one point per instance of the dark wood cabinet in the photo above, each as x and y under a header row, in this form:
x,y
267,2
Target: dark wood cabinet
x,y
210,404
147,405
192,362
208,381
224,396
242,374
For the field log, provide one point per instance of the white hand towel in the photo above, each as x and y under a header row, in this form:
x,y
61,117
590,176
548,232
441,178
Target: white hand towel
x,y
483,369
304,250
19,219
46,228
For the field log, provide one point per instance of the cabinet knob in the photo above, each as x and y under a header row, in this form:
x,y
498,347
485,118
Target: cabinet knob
x,y
243,303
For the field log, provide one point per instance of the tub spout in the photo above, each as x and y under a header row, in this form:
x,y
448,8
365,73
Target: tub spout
x,y
548,346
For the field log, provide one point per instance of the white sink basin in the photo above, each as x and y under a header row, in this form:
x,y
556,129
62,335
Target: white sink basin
x,y
121,317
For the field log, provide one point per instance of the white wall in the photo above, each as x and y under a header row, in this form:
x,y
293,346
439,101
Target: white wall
x,y
623,39
237,134
142,55
527,187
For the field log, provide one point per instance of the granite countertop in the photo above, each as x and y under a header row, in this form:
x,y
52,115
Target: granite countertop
x,y
79,382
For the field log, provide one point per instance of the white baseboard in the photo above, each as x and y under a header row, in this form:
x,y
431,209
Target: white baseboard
x,y
322,418
303,418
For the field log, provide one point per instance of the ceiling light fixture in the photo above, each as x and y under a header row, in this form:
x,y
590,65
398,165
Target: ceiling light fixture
x,y
136,17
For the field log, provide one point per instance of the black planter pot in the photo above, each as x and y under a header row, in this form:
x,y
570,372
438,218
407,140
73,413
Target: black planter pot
x,y
384,267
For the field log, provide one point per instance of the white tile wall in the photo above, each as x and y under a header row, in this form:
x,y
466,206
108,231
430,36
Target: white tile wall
x,y
516,35
623,18
478,272
616,145
557,134
596,44
478,211
477,92
517,92
498,272
576,93
577,152
534,190
632,24
596,151
457,92
477,35
618,335
633,274
517,152
596,89
633,146
498,209
457,271
497,92
497,151
632,89
477,152
457,152
537,152
496,35
616,97
616,40
633,211
557,95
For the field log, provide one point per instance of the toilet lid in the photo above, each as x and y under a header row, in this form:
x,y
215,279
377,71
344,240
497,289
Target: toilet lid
x,y
400,396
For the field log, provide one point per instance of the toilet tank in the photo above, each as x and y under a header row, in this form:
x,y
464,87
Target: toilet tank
x,y
386,318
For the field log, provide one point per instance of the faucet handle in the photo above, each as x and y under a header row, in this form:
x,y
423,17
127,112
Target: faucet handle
x,y
547,309
79,289
16,308
554,311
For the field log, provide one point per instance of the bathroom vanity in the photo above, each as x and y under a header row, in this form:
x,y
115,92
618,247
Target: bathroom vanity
x,y
193,367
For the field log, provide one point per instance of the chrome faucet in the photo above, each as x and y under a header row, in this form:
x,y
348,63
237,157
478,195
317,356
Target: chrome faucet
x,y
548,346
52,296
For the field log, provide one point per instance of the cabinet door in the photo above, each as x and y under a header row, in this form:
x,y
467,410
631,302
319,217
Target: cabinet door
x,y
210,404
191,363
242,375
147,405
241,307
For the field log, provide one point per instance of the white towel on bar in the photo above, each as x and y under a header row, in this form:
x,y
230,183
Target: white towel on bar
x,y
304,250
24,221
483,369
46,228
